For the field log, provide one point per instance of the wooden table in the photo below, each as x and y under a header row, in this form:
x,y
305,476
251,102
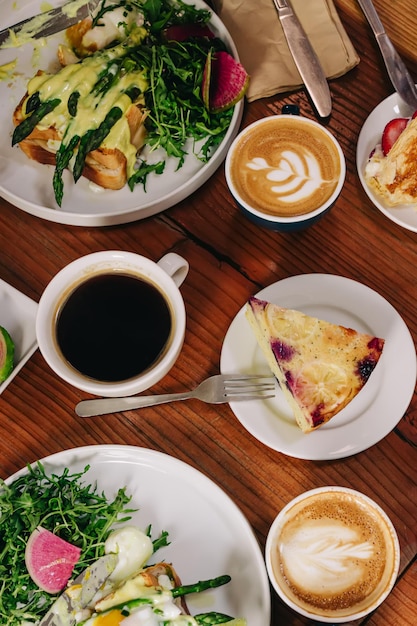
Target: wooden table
x,y
231,259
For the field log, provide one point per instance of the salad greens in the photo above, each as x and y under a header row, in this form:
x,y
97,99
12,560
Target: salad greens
x,y
66,505
63,504
177,120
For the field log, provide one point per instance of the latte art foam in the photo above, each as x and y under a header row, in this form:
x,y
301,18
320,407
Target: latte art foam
x,y
285,167
296,178
334,555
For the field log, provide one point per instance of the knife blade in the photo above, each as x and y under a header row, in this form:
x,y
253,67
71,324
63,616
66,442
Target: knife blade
x,y
78,596
46,23
305,58
398,73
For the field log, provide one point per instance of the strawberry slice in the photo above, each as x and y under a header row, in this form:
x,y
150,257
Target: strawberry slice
x,y
392,131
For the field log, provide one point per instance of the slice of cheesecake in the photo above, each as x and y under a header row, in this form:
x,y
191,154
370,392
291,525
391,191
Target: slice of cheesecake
x,y
320,366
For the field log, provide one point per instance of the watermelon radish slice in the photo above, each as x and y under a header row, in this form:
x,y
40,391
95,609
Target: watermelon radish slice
x,y
50,560
225,82
182,32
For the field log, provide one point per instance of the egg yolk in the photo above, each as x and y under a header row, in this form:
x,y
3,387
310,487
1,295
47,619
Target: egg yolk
x,y
109,619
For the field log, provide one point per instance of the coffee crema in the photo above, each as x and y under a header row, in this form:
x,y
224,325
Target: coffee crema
x,y
285,167
335,555
113,326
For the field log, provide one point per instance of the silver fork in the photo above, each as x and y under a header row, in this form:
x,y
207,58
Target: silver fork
x,y
214,390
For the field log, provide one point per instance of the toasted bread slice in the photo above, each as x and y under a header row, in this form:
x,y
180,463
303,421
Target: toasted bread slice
x,y
320,366
106,167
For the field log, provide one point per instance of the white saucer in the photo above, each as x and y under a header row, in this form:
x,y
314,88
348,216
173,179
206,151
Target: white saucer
x,y
17,316
370,135
377,408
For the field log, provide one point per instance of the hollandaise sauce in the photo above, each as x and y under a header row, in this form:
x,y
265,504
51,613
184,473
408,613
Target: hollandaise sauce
x,y
91,96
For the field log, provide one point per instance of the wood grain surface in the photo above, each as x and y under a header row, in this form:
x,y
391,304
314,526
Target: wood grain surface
x,y
230,259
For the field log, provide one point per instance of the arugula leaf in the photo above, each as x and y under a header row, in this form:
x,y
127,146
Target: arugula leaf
x,y
140,175
63,504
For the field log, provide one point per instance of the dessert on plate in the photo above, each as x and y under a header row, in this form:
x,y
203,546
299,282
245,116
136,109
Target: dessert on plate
x,y
391,171
320,366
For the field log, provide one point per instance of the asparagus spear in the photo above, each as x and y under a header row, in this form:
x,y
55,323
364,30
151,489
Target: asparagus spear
x,y
202,585
25,128
176,592
63,157
93,139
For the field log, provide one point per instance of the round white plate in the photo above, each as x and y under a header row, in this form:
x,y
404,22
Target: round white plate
x,y
209,535
376,409
28,185
370,135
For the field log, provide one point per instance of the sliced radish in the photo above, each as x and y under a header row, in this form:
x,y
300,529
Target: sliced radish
x,y
225,82
50,560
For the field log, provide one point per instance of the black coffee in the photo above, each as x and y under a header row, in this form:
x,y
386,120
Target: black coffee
x,y
113,327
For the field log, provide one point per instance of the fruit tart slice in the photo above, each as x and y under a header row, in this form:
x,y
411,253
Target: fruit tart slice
x,y
320,366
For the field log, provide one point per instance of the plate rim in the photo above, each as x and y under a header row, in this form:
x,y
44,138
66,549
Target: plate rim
x,y
123,453
307,449
181,189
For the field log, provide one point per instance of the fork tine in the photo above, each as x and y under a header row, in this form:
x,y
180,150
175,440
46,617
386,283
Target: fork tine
x,y
245,376
250,396
248,387
239,385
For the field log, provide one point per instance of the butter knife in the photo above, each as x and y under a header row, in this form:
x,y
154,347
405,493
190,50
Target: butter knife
x,y
305,58
47,23
399,75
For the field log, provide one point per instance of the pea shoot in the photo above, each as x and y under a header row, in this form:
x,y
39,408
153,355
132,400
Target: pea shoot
x,y
62,503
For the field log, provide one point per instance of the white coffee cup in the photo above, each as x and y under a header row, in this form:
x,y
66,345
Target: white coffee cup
x,y
332,554
70,316
285,172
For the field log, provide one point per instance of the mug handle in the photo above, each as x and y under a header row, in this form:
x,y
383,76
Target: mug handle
x,y
175,266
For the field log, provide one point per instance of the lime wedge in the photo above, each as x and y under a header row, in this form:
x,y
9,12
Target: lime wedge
x,y
6,354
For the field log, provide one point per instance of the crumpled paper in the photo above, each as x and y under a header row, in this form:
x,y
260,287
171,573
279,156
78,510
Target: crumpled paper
x,y
263,50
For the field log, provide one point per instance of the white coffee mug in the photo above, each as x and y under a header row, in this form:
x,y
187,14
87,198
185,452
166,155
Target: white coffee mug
x,y
101,272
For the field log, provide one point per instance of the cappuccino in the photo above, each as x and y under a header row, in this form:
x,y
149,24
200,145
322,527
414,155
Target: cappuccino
x,y
333,554
285,166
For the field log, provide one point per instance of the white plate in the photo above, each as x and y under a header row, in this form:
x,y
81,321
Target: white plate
x,y
28,185
18,317
209,535
370,135
376,409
